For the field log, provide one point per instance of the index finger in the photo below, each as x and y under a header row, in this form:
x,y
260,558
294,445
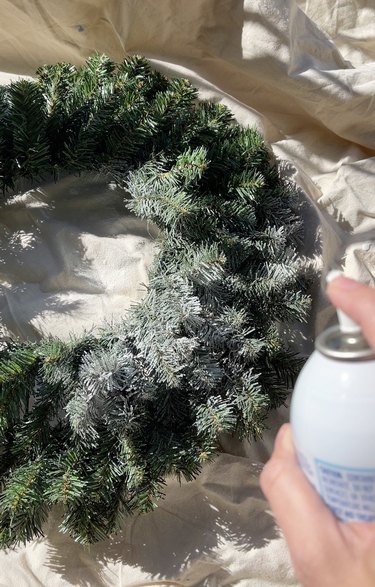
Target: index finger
x,y
357,301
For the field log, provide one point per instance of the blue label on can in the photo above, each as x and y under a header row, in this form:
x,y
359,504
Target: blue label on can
x,y
348,492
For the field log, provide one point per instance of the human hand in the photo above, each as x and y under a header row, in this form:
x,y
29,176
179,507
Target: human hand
x,y
325,552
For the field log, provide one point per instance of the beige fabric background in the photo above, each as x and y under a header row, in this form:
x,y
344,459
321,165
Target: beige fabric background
x,y
304,73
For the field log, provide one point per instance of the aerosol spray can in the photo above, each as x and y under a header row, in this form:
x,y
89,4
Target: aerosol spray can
x,y
333,420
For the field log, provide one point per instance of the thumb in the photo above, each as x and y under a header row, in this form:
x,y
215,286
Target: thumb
x,y
298,508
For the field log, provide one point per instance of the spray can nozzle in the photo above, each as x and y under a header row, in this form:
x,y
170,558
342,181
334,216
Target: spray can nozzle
x,y
347,325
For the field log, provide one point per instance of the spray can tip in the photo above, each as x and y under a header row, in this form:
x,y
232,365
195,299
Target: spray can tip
x,y
347,325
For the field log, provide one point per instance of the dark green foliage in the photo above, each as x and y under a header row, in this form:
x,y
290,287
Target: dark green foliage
x,y
97,424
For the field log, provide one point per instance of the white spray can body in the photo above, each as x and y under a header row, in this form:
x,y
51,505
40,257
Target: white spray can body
x,y
333,423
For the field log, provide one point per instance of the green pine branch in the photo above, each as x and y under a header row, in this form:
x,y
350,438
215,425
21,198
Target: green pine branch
x,y
96,424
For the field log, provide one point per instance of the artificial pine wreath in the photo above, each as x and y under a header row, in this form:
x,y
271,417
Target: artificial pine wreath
x,y
97,424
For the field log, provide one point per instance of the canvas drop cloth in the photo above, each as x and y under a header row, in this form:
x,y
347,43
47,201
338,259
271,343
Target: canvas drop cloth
x,y
304,74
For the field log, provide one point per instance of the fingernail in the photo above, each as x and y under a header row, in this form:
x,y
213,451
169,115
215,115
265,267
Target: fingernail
x,y
285,438
341,282
333,274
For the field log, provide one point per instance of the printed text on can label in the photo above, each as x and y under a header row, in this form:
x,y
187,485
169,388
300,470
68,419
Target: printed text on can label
x,y
348,492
